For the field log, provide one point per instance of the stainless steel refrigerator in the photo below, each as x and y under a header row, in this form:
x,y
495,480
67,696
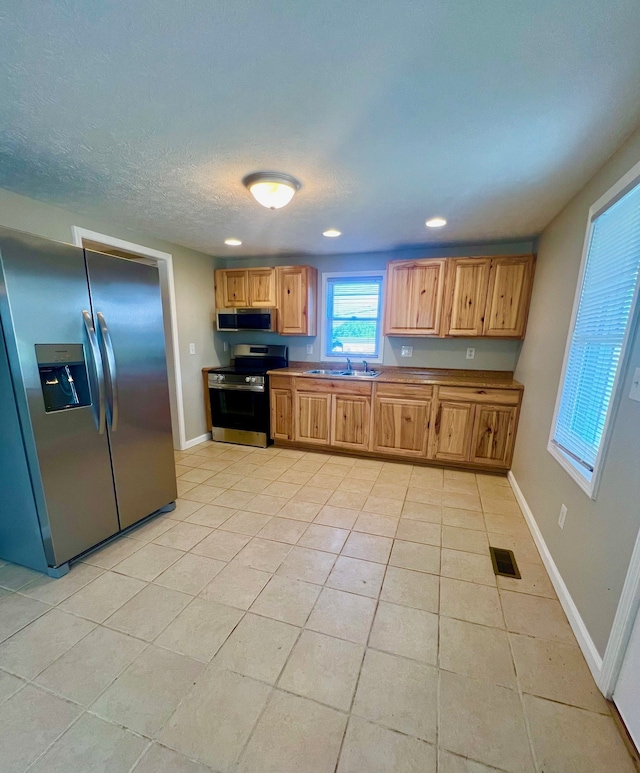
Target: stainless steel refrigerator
x,y
85,430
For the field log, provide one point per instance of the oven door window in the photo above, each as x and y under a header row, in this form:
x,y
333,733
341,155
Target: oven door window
x,y
238,409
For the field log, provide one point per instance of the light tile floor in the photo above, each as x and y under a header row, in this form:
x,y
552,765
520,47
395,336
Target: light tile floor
x,y
302,613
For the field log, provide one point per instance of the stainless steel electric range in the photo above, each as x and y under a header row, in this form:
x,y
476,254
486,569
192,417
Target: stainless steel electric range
x,y
239,394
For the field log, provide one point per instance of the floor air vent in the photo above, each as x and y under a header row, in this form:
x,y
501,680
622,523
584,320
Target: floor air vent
x,y
504,563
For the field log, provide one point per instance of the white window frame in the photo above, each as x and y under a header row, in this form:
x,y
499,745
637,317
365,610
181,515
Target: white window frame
x,y
590,483
323,326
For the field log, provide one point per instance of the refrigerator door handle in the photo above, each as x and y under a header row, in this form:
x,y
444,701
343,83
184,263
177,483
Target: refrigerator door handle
x,y
110,369
100,415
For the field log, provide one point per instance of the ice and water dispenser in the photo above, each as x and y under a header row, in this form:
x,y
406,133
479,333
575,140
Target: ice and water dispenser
x,y
63,376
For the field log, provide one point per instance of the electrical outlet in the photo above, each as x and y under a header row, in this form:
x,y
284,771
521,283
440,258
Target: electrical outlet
x,y
225,346
192,348
309,348
634,394
406,351
471,353
562,516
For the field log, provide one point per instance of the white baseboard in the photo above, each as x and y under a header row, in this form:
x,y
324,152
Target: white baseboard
x,y
589,650
195,441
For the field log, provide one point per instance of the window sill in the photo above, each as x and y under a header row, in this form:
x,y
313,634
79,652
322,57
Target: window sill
x,y
569,465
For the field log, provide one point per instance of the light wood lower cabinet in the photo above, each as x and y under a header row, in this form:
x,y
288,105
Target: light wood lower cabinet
x,y
312,417
493,435
281,414
401,416
457,425
350,421
451,435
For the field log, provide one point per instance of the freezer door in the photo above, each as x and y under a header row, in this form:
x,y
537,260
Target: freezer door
x,y
43,292
127,310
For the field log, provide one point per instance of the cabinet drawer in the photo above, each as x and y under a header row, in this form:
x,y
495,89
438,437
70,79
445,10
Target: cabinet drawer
x,y
342,386
480,395
409,391
281,382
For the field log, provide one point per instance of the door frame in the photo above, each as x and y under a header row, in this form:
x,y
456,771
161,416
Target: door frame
x,y
164,262
623,622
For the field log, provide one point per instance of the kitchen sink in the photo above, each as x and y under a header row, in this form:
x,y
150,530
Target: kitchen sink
x,y
353,373
361,373
323,372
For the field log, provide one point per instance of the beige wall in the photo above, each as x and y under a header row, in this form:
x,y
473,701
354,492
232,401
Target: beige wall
x,y
593,551
427,352
193,277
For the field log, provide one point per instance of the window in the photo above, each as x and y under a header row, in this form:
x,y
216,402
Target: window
x,y
603,316
352,304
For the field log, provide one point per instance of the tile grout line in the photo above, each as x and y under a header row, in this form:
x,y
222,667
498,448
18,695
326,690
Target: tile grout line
x,y
520,692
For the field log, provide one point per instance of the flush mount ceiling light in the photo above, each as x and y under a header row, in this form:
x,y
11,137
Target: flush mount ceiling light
x,y
233,242
271,189
332,233
435,222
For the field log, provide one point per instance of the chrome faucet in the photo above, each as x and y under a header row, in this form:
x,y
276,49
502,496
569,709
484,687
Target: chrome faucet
x,y
365,365
349,364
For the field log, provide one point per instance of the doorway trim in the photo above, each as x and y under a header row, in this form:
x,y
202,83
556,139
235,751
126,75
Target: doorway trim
x,y
623,622
167,287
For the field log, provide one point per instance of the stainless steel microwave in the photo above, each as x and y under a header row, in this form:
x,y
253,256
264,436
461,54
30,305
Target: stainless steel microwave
x,y
246,319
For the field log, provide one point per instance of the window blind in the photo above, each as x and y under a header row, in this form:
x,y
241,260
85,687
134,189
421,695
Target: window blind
x,y
608,289
353,315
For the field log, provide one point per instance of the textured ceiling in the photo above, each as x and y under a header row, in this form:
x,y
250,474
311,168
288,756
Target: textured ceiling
x,y
492,114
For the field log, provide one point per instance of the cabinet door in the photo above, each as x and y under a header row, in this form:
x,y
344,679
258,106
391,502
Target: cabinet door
x,y
493,435
510,282
232,288
401,426
281,414
297,290
466,296
312,417
350,421
413,304
262,287
451,431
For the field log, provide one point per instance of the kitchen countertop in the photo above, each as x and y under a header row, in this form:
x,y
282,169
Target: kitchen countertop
x,y
497,379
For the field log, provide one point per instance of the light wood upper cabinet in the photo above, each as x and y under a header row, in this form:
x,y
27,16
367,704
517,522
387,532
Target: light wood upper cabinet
x,y
350,421
471,297
312,418
245,288
262,288
465,296
510,285
401,417
414,294
297,300
232,288
493,435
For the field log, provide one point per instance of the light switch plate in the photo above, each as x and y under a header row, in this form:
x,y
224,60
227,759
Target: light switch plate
x,y
192,348
309,348
406,351
634,394
225,346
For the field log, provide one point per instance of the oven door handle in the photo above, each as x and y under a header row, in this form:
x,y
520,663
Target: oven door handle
x,y
238,387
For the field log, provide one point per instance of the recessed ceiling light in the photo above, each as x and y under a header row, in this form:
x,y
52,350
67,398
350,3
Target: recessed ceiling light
x,y
233,242
435,222
272,189
332,233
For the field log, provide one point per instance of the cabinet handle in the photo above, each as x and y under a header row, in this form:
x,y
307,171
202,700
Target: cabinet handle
x,y
438,418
